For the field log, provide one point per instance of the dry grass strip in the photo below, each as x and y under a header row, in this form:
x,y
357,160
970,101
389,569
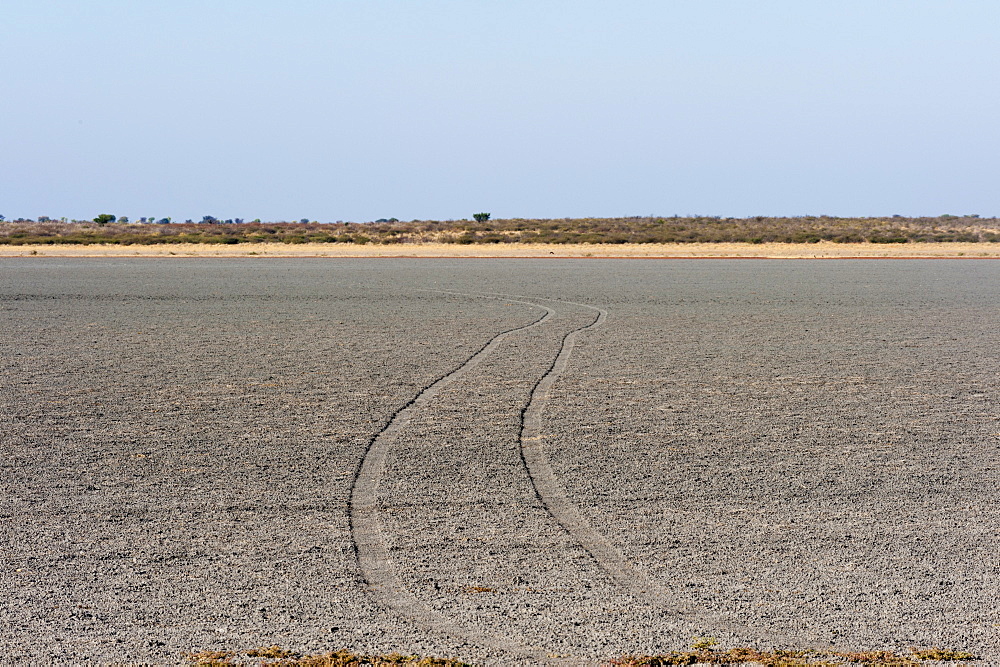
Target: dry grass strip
x,y
703,652
821,250
275,655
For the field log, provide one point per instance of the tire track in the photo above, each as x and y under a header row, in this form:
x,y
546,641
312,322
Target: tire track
x,y
368,534
544,481
553,496
547,487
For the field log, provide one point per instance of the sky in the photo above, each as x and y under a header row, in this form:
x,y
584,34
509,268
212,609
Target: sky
x,y
438,109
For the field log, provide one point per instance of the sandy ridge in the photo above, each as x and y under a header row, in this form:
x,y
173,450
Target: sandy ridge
x,y
822,250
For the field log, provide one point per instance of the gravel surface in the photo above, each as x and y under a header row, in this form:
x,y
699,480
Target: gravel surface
x,y
385,455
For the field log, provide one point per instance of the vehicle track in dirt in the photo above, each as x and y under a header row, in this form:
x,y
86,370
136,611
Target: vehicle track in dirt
x,y
557,503
553,497
368,534
544,481
546,485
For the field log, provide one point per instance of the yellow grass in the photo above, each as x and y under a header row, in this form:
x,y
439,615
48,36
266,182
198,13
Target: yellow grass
x,y
771,250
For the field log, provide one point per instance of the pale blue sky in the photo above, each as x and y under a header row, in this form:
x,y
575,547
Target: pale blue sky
x,y
438,109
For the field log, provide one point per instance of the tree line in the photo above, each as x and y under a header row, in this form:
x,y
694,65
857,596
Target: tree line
x,y
106,228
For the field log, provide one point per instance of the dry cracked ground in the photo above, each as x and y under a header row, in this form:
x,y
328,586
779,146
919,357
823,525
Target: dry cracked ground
x,y
504,461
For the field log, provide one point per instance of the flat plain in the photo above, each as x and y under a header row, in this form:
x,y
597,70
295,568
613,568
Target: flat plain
x,y
514,461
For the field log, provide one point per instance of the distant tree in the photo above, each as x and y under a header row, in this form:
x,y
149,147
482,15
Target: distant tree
x,y
209,219
142,220
256,221
164,221
104,218
124,218
2,218
44,218
238,221
481,217
304,221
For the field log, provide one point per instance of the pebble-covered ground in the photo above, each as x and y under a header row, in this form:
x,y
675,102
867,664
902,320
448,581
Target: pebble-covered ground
x,y
422,456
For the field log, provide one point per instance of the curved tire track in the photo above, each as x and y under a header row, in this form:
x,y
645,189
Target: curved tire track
x,y
547,487
367,531
543,479
553,496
